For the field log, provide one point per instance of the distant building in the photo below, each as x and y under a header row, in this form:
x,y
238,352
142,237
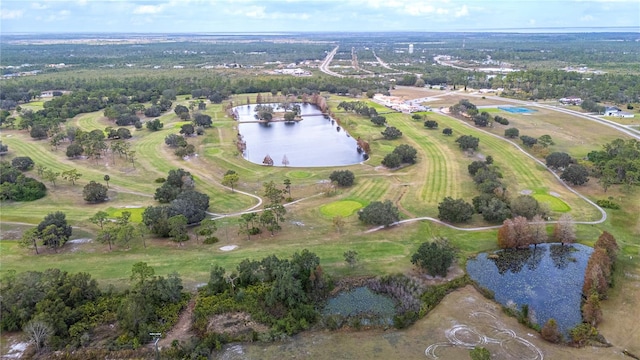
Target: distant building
x,y
614,111
572,100
410,48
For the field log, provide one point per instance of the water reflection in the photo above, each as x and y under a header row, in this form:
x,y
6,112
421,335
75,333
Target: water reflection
x,y
317,140
548,278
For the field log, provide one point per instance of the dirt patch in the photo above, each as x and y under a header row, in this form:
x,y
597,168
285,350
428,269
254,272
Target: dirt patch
x,y
239,325
182,330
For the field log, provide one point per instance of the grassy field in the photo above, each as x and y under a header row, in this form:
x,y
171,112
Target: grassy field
x,y
441,171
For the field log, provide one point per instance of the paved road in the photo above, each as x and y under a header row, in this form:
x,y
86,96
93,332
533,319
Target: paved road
x,y
324,67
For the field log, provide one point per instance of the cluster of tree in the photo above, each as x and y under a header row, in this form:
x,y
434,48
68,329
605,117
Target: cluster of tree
x,y
391,133
264,112
179,143
464,107
58,310
591,105
468,142
482,119
520,232
435,256
501,120
123,114
597,280
14,185
544,84
116,231
154,125
454,210
358,107
599,271
158,106
382,213
281,293
431,124
182,112
617,163
494,202
119,133
361,108
342,177
53,232
402,154
185,206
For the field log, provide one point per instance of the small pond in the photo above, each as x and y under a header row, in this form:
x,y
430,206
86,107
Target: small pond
x,y
374,309
548,279
314,141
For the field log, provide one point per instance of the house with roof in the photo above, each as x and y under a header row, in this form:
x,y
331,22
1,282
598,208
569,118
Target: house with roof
x,y
571,100
614,111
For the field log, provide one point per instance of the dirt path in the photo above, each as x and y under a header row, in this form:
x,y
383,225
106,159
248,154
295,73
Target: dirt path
x,y
182,330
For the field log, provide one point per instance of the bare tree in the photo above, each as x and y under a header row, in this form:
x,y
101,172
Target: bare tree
x,y
285,160
565,230
538,230
38,332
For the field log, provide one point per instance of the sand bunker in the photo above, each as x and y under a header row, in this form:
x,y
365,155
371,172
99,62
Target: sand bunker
x,y
229,247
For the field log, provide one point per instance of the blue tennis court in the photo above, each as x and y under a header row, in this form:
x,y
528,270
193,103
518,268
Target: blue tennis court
x,y
516,110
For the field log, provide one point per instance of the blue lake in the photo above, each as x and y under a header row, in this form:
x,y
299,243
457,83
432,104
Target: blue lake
x,y
314,141
548,279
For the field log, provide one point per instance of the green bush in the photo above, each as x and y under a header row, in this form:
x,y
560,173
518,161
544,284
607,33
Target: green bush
x,y
160,180
210,240
608,204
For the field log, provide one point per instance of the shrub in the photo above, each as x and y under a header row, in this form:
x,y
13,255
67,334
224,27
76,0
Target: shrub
x,y
608,204
550,331
211,240
22,163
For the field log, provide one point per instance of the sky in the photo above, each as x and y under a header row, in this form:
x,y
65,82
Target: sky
x,y
214,16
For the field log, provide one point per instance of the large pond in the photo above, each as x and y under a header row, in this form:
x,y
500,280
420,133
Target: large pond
x,y
314,141
548,278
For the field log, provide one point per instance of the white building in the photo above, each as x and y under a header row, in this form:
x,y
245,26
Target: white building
x,y
410,48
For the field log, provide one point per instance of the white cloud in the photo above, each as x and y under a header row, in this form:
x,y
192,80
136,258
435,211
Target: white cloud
x,y
587,18
259,12
149,9
38,6
532,21
10,14
463,11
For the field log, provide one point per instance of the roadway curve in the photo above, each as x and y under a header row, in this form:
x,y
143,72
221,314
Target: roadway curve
x,y
324,67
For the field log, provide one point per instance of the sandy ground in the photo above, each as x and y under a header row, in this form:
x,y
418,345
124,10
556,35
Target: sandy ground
x,y
464,319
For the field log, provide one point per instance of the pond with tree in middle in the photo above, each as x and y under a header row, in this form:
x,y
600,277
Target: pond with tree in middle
x,y
314,141
547,278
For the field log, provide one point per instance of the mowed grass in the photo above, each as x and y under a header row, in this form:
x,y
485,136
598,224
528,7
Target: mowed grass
x,y
135,213
573,135
554,203
342,208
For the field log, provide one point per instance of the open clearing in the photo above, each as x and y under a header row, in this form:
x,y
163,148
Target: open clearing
x,y
463,317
